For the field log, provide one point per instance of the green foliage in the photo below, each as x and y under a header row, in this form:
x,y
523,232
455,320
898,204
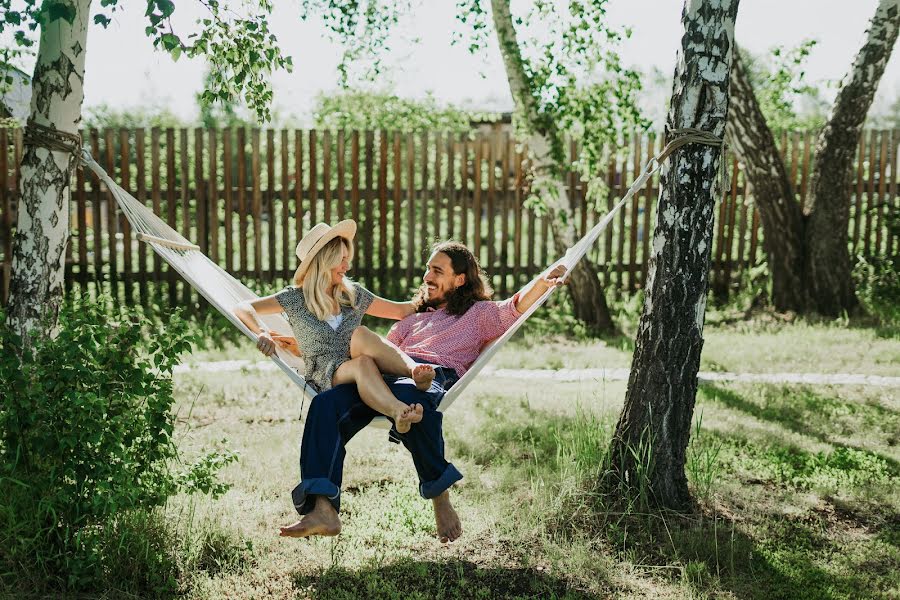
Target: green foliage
x,y
878,287
104,116
86,440
361,110
240,48
363,28
786,99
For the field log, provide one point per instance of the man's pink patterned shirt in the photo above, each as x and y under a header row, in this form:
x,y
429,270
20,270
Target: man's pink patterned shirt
x,y
454,341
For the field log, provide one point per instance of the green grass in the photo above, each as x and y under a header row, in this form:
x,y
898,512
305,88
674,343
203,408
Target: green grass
x,y
797,487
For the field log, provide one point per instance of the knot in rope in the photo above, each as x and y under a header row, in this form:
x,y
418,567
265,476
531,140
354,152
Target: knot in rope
x,y
51,138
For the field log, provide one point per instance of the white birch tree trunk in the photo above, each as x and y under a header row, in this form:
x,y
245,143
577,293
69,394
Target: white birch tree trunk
x,y
651,438
42,225
547,170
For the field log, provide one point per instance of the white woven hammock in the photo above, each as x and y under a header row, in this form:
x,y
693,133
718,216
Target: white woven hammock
x,y
224,291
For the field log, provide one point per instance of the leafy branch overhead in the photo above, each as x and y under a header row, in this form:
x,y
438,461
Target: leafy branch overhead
x,y
241,50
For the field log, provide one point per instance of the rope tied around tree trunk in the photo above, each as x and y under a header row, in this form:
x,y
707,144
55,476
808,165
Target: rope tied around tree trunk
x,y
53,139
683,137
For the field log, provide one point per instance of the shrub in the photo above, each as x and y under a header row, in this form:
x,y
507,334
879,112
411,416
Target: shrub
x,y
86,444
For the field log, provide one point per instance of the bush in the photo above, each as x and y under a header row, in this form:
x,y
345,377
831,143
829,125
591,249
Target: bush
x,y
86,445
878,287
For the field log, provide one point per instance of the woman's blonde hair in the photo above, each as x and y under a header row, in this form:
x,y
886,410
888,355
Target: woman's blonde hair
x,y
317,279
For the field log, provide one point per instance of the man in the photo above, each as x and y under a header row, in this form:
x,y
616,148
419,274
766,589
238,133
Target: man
x,y
454,320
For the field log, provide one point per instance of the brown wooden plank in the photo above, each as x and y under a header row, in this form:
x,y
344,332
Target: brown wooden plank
x,y
438,208
354,185
517,207
411,224
451,186
610,229
621,265
6,195
795,160
490,161
892,243
382,207
268,199
286,245
98,212
201,213
186,216
464,202
868,212
423,197
298,192
228,198
648,208
256,200
730,226
858,198
396,212
882,188
326,173
212,195
369,226
754,237
717,267
80,198
140,195
576,200
112,214
476,195
242,200
634,217
156,191
742,260
341,168
313,180
504,213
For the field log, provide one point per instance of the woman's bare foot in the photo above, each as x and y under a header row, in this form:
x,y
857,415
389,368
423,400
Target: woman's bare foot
x,y
423,375
449,527
412,413
323,520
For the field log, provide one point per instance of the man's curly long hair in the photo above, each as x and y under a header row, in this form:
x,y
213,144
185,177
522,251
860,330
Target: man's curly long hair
x,y
461,299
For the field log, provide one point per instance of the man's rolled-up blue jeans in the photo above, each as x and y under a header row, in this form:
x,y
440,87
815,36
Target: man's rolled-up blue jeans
x,y
338,414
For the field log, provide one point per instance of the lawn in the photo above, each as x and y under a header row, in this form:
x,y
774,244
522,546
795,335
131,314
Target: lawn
x,y
796,486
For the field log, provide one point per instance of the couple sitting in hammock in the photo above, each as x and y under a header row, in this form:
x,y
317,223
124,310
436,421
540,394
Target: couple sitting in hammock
x,y
359,374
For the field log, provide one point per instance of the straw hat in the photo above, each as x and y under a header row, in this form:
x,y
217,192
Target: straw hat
x,y
317,237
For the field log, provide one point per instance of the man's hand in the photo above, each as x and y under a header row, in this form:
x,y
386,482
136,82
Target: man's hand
x,y
554,277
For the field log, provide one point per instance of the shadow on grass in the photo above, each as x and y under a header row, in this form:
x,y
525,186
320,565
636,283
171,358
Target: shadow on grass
x,y
807,414
428,580
761,554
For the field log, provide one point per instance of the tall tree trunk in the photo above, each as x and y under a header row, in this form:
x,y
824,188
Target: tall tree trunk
x,y
651,438
748,133
42,225
827,269
547,170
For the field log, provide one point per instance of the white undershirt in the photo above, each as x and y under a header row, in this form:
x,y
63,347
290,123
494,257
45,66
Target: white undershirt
x,y
335,320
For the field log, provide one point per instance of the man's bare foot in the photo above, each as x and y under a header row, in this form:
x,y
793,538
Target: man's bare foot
x,y
448,526
423,375
323,520
412,413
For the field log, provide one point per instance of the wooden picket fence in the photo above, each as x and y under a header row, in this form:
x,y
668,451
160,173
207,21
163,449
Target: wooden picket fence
x,y
246,197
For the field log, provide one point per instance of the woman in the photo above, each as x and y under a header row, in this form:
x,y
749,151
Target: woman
x,y
325,308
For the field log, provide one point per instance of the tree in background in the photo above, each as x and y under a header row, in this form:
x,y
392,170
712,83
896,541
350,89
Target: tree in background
x,y
570,83
242,52
650,442
806,246
363,110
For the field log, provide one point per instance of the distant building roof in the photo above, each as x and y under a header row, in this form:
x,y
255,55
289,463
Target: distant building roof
x,y
15,100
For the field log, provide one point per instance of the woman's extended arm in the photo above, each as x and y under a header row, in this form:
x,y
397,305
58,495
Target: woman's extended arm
x,y
248,313
388,309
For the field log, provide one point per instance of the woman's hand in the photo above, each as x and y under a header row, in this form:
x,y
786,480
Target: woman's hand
x,y
265,343
288,343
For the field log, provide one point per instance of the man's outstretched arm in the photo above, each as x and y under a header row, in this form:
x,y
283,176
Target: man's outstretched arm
x,y
536,288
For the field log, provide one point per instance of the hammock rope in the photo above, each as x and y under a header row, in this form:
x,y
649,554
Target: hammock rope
x,y
224,292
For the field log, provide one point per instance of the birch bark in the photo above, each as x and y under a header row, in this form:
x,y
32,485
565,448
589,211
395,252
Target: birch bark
x,y
42,224
651,438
